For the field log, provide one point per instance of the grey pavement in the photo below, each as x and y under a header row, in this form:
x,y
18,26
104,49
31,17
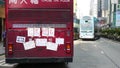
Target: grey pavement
x,y
88,55
102,53
2,49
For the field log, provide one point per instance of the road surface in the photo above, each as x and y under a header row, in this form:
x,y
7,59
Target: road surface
x,y
102,53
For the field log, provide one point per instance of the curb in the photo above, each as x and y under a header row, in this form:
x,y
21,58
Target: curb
x,y
6,65
2,49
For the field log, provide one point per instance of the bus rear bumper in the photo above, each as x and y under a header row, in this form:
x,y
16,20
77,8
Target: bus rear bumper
x,y
38,60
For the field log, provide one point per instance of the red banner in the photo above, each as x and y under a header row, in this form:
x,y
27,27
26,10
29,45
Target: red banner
x,y
40,3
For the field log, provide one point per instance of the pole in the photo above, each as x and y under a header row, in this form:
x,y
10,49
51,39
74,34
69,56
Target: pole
x,y
110,6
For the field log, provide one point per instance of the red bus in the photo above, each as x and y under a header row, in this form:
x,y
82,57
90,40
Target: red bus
x,y
39,31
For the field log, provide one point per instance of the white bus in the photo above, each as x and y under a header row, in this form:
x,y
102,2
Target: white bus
x,y
87,28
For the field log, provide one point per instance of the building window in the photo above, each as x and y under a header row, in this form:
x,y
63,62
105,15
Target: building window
x,y
118,1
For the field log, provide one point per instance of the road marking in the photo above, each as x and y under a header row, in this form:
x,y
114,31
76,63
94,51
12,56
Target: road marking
x,y
3,64
102,52
95,45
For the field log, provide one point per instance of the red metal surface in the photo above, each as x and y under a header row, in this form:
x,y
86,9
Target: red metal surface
x,y
43,13
39,51
40,15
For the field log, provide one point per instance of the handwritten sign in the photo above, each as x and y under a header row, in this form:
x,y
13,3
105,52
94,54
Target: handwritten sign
x,y
30,32
29,45
45,31
59,40
52,46
37,32
51,32
20,39
41,42
48,32
33,32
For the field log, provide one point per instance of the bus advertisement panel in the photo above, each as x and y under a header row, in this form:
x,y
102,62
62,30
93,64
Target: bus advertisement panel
x,y
39,31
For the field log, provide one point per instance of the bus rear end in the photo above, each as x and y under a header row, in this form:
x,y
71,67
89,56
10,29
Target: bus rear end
x,y
39,31
87,27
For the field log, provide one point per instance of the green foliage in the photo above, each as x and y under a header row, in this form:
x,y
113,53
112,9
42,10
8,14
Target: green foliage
x,y
113,33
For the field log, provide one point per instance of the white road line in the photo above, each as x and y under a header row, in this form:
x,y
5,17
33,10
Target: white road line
x,y
2,61
3,64
102,52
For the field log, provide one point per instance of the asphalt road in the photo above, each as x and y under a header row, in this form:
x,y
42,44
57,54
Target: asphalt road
x,y
102,53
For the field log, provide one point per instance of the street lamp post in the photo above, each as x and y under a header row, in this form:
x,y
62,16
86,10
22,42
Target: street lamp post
x,y
110,9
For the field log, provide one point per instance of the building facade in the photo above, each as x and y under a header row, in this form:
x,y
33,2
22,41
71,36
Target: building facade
x,y
2,17
93,8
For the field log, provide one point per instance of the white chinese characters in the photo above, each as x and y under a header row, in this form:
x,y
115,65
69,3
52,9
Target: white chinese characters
x,y
34,1
23,2
12,1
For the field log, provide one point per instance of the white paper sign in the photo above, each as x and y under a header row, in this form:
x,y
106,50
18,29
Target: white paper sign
x,y
20,39
29,45
52,46
34,32
41,42
59,40
51,32
30,32
37,32
45,31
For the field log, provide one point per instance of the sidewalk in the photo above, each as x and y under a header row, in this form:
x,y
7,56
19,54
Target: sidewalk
x,y
2,49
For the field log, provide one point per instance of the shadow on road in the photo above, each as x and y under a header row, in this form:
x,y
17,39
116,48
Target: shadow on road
x,y
42,65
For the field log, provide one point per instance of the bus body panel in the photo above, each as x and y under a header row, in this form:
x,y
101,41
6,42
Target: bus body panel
x,y
37,32
40,4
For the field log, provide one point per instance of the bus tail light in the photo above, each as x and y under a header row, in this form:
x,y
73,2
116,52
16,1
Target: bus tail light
x,y
68,48
10,49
